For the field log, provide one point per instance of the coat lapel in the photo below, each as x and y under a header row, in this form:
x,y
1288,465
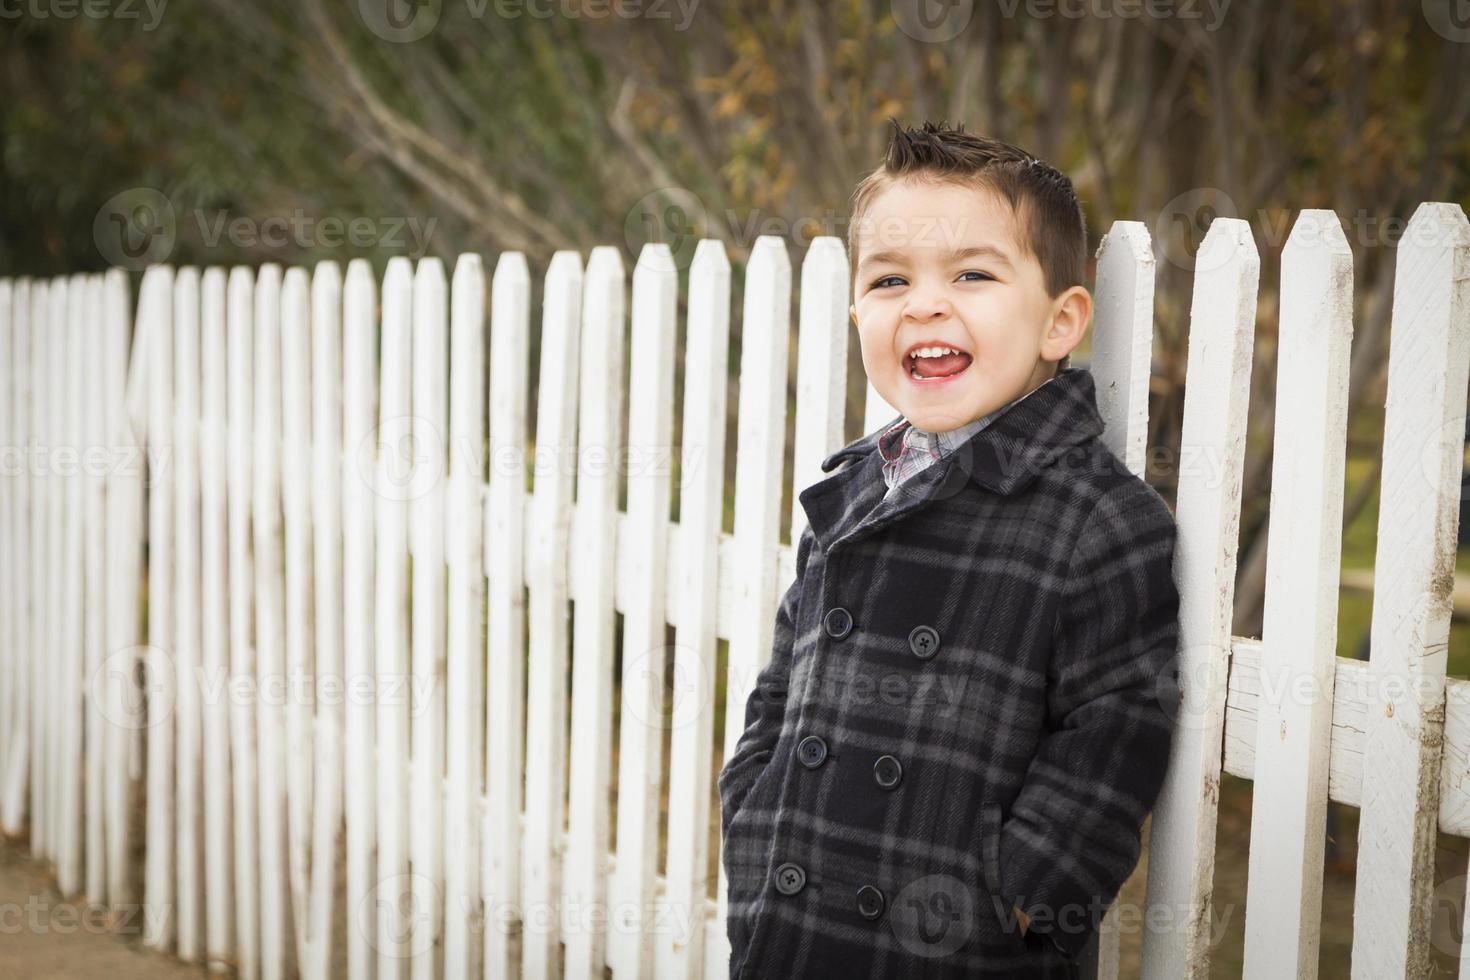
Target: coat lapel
x,y
1003,458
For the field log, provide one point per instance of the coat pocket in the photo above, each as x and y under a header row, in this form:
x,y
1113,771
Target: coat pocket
x,y
990,869
749,797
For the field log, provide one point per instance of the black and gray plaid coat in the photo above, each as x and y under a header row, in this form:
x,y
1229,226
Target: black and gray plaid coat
x,y
969,707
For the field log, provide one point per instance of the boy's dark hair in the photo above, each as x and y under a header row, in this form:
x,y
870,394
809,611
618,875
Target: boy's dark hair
x,y
1051,224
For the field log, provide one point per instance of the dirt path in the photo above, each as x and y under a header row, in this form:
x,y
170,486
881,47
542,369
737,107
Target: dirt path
x,y
44,937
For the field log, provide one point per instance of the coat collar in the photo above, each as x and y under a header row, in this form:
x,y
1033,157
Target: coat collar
x,y
1002,458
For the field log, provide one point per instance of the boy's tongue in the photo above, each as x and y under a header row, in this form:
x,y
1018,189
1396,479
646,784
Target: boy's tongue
x,y
939,367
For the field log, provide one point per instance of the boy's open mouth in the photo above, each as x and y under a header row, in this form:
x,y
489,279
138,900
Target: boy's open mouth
x,y
932,363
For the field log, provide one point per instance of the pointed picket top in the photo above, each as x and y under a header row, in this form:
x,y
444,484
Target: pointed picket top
x,y
1122,339
710,253
655,258
512,266
560,336
467,334
604,272
430,285
398,274
768,277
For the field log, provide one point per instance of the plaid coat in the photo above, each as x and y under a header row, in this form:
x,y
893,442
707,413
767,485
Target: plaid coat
x,y
969,706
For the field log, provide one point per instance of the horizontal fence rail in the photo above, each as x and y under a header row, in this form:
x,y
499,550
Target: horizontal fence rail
x,y
374,679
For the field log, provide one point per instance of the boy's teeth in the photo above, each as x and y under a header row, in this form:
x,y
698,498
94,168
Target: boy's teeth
x,y
933,352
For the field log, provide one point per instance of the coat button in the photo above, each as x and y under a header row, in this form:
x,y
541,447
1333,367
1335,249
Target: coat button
x,y
790,878
812,751
838,622
870,902
887,771
924,642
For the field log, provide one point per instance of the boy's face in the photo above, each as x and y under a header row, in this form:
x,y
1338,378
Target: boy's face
x,y
941,265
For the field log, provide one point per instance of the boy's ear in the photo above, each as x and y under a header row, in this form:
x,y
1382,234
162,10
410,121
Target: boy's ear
x,y
1071,313
852,312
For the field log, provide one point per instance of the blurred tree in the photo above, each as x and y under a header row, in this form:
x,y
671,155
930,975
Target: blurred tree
x,y
538,125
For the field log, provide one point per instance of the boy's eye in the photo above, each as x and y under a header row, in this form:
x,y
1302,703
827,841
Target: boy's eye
x,y
984,277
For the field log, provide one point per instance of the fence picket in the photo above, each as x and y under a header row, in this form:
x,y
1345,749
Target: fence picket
x,y
1423,444
759,456
684,952
1122,348
270,630
300,676
505,570
155,312
392,889
640,740
1181,865
219,886
1122,339
188,625
1284,893
68,778
546,551
464,550
326,585
20,617
94,590
41,418
430,430
599,434
244,766
358,467
10,676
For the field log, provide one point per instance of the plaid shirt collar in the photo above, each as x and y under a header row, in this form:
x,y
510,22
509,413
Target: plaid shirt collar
x,y
907,449
1003,457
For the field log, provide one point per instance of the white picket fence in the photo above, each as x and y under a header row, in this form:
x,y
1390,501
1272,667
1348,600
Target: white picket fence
x,y
241,559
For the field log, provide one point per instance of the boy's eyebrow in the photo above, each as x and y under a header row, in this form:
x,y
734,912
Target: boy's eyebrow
x,y
954,255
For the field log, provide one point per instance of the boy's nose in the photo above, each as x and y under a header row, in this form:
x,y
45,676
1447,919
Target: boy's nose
x,y
923,308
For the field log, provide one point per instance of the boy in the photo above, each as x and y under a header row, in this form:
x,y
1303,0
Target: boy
x,y
967,714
